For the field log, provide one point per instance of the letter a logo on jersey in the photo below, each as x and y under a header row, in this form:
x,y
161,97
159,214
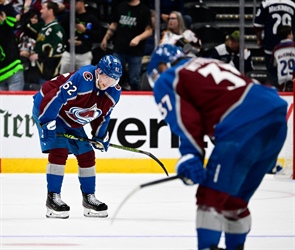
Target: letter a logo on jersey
x,y
82,115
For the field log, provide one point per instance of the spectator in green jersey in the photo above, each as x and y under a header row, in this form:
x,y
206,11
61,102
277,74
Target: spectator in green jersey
x,y
50,43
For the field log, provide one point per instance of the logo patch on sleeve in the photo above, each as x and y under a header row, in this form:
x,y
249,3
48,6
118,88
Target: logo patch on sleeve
x,y
87,76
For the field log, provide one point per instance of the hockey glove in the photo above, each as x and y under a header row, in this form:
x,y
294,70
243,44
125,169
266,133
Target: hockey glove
x,y
102,144
48,132
191,169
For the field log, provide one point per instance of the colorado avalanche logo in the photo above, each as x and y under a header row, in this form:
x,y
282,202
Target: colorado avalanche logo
x,y
87,76
82,115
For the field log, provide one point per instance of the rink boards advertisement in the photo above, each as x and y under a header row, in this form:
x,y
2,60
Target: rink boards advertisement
x,y
135,123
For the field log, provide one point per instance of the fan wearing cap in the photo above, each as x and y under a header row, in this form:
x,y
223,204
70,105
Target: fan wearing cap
x,y
64,105
228,52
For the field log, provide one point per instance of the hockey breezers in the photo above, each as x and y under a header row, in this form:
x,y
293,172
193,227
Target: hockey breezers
x,y
78,138
143,186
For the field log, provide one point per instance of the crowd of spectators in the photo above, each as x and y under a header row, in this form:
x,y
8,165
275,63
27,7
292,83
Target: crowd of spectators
x,y
37,41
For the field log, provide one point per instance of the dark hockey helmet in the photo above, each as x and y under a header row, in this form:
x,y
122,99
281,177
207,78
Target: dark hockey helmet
x,y
111,66
166,54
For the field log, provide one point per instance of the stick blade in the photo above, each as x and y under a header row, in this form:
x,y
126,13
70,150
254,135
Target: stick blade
x,y
123,202
175,177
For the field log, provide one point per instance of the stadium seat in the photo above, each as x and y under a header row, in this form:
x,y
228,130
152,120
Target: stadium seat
x,y
199,12
209,34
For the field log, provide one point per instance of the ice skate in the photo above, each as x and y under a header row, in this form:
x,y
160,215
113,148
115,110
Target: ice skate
x,y
216,248
56,207
94,207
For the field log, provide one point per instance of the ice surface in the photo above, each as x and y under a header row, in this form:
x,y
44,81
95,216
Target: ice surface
x,y
156,217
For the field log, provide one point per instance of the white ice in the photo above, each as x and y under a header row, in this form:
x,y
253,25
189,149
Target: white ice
x,y
156,217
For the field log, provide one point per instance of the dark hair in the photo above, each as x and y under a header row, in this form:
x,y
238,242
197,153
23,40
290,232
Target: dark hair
x,y
284,31
53,6
33,12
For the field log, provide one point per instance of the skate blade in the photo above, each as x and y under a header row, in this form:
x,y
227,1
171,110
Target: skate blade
x,y
92,213
52,214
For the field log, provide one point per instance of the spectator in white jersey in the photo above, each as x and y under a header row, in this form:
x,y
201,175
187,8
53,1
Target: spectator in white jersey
x,y
283,59
269,16
177,34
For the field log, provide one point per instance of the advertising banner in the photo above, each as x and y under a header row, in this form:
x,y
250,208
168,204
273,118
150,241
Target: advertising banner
x,y
135,122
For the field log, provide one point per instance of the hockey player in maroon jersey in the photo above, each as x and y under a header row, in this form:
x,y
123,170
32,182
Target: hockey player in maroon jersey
x,y
246,121
64,105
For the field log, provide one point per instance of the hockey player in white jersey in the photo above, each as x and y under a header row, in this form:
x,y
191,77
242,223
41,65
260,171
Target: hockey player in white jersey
x,y
283,58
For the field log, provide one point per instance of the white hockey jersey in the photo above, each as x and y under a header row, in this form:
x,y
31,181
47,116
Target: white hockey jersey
x,y
284,60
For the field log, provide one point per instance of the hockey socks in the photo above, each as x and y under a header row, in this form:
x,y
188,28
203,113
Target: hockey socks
x,y
210,225
92,206
54,176
87,179
236,232
235,241
207,238
209,228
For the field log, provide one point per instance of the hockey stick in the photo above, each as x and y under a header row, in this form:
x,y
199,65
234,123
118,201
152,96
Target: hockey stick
x,y
78,138
141,187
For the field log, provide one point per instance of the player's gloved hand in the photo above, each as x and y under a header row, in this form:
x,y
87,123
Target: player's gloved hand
x,y
102,143
48,132
191,168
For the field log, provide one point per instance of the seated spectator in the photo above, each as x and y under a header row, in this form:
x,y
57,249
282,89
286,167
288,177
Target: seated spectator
x,y
228,52
177,34
167,6
283,59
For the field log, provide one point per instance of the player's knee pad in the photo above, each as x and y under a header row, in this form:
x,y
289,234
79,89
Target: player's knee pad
x,y
86,160
58,156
